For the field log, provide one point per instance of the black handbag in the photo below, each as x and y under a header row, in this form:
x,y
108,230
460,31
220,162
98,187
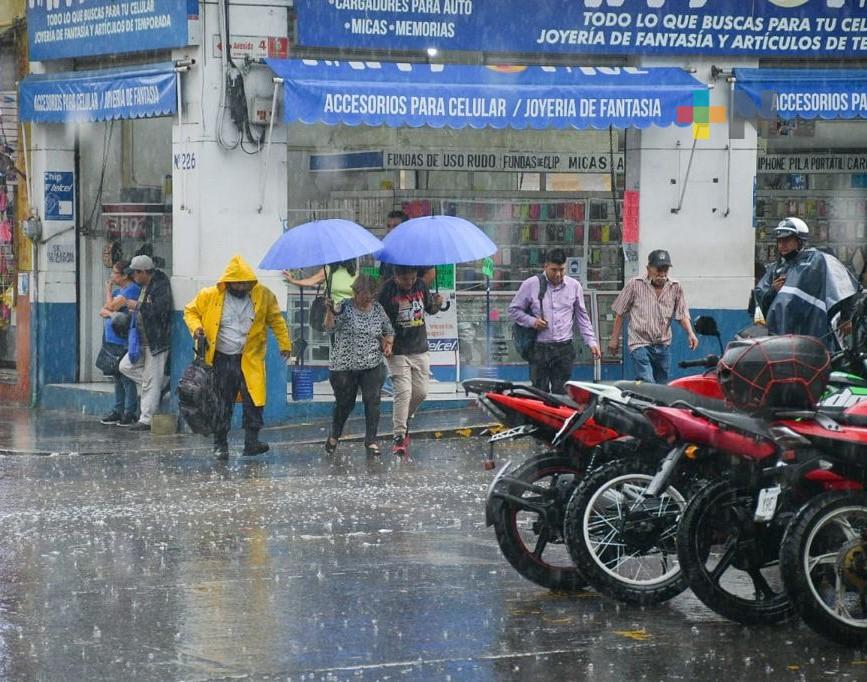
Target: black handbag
x,y
524,338
319,307
108,360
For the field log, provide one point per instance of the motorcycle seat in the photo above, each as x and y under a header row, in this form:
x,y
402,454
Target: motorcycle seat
x,y
667,395
745,423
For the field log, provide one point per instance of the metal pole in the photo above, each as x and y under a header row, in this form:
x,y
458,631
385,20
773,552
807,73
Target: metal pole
x,y
487,321
183,142
594,318
264,182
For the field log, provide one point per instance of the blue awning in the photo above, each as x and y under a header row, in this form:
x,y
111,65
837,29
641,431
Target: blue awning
x,y
458,95
75,96
801,93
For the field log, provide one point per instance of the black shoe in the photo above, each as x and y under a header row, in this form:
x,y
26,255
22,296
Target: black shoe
x,y
111,418
221,451
257,448
139,426
127,420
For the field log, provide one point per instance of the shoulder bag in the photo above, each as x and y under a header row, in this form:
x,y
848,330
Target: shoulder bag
x,y
524,338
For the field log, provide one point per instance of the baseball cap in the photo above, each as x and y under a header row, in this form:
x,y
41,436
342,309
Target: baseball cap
x,y
659,259
141,263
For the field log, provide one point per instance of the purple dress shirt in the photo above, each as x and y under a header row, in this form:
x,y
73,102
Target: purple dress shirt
x,y
564,310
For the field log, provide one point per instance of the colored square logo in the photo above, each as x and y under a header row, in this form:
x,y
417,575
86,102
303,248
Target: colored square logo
x,y
701,114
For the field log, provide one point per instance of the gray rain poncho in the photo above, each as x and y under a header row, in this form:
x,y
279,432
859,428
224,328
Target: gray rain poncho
x,y
817,287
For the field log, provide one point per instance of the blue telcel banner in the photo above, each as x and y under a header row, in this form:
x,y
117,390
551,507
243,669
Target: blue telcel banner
x,y
458,95
801,93
59,29
99,95
782,28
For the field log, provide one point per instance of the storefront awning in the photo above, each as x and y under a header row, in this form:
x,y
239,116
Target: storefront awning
x,y
122,93
801,93
458,95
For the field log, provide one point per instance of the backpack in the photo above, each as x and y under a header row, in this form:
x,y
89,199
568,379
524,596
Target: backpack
x,y
524,338
318,308
197,401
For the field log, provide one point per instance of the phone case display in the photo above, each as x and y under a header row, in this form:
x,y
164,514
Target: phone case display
x,y
524,231
837,220
8,272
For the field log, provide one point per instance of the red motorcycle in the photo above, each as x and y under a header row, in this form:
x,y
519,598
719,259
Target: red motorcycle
x,y
526,505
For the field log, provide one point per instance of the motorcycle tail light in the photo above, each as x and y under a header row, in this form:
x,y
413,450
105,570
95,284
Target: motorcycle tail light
x,y
579,395
664,428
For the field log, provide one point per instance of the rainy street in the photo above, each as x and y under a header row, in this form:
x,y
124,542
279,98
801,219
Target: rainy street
x,y
292,567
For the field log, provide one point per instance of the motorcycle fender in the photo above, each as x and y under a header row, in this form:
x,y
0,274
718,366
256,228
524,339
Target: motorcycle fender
x,y
489,496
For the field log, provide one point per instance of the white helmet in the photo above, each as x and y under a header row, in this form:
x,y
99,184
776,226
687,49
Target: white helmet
x,y
792,227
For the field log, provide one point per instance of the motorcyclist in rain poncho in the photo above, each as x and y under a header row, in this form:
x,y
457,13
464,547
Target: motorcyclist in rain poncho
x,y
804,289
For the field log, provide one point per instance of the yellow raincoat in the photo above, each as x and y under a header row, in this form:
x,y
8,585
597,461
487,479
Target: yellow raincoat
x,y
205,311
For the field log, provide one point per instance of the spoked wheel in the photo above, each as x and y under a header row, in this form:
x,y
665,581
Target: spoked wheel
x,y
824,564
730,562
528,511
622,541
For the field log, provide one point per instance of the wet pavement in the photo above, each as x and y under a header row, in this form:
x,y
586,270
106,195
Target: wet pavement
x,y
289,566
54,432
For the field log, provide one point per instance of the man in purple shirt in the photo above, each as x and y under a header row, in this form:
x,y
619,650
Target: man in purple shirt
x,y
563,310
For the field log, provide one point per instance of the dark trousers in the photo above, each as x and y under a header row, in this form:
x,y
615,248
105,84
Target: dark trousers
x,y
346,385
551,365
228,381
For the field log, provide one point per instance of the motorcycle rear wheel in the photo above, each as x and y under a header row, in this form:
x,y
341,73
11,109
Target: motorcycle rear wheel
x,y
716,543
623,552
824,566
532,545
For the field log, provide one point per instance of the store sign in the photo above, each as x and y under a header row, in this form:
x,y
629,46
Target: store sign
x,y
60,30
59,195
442,327
836,28
253,47
468,160
813,163
487,160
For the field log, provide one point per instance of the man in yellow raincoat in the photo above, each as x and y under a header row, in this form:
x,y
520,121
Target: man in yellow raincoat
x,y
234,317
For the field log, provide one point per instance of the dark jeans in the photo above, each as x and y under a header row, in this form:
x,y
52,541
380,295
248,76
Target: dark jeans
x,y
228,381
125,396
551,365
652,363
346,385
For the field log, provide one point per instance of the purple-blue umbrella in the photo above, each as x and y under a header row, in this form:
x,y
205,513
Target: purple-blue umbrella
x,y
318,243
433,240
436,240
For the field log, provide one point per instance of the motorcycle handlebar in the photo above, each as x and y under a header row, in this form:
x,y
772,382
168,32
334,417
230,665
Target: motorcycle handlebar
x,y
706,361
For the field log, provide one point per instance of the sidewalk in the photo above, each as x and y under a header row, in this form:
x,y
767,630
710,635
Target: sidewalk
x,y
54,432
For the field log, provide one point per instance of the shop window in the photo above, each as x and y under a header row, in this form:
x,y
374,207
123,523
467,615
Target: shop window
x,y
823,183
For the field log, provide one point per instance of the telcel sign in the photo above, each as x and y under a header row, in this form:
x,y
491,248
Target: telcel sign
x,y
60,29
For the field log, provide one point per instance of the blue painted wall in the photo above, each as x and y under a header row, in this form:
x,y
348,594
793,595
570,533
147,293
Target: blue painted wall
x,y
53,343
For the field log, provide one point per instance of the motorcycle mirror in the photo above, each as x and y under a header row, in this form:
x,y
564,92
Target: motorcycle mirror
x,y
705,325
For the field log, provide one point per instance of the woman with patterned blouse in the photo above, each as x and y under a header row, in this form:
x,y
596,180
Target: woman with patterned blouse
x,y
363,336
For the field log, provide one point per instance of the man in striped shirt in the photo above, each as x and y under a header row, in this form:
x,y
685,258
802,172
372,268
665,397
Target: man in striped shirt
x,y
652,303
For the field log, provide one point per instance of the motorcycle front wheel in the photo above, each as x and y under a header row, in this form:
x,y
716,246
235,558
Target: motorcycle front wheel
x,y
532,542
622,541
824,566
730,562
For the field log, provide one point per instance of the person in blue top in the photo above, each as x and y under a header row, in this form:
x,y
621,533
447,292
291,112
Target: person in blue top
x,y
118,290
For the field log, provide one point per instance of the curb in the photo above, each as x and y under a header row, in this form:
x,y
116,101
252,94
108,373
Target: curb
x,y
422,434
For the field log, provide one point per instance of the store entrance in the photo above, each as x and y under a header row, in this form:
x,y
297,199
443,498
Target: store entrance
x,y
126,210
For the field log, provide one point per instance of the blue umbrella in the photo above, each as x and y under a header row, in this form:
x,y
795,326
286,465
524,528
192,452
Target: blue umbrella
x,y
319,243
435,240
439,239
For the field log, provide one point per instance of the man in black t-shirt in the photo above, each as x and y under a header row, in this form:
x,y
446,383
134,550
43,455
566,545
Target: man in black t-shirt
x,y
406,299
